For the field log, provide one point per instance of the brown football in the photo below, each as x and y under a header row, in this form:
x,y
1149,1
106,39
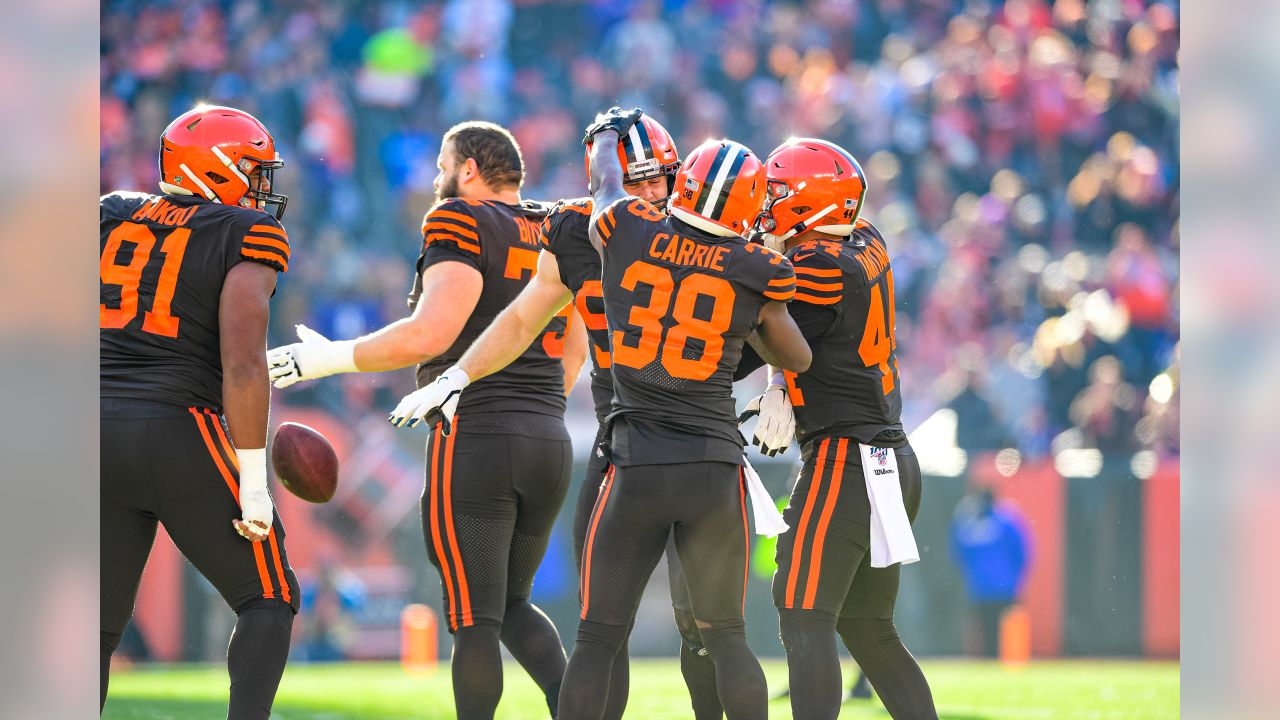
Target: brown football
x,y
305,462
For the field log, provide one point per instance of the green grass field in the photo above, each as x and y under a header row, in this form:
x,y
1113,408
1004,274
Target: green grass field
x,y
964,690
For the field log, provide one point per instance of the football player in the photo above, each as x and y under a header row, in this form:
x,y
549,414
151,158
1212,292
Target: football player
x,y
185,282
569,271
682,293
498,473
846,406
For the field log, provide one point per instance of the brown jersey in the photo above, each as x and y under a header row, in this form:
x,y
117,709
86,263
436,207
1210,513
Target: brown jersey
x,y
564,234
852,386
502,242
680,304
162,262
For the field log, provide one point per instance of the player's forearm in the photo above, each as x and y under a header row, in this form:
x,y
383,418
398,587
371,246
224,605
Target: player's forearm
x,y
401,344
576,347
506,338
782,345
246,399
606,178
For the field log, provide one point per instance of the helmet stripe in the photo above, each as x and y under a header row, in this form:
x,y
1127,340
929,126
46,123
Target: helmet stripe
x,y
704,194
728,184
720,171
637,145
645,139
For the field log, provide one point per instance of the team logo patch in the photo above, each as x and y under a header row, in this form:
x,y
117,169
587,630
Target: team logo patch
x,y
881,455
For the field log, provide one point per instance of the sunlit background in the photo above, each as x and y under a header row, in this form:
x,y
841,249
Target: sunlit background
x,y
1023,164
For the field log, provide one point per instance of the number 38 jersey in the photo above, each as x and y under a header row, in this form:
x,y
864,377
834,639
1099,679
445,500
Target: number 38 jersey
x,y
680,304
162,262
502,242
851,388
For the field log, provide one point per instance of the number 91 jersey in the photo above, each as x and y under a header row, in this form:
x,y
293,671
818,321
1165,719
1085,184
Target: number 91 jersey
x,y
680,303
163,259
851,388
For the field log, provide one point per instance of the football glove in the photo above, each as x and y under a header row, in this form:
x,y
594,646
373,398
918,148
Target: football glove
x,y
615,119
256,508
315,357
777,424
435,403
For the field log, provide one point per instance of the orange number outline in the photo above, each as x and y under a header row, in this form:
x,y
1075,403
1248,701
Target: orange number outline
x,y
673,340
159,320
878,340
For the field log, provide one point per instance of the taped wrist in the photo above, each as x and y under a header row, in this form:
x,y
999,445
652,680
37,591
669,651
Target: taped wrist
x,y
338,357
253,468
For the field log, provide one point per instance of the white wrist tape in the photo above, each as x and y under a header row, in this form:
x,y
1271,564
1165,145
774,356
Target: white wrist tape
x,y
778,379
253,468
339,356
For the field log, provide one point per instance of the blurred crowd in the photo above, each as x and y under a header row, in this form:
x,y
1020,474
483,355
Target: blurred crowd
x,y
1022,159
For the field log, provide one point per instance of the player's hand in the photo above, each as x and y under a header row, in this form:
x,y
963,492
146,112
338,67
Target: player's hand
x,y
256,508
437,402
777,423
615,119
315,357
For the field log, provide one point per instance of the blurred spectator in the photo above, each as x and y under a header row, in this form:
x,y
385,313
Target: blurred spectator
x,y
990,547
327,628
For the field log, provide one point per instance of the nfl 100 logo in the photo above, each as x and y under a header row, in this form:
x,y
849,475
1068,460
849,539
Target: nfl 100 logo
x,y
880,455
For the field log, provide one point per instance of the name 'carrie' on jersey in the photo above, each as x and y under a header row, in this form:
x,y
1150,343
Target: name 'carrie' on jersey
x,y
680,303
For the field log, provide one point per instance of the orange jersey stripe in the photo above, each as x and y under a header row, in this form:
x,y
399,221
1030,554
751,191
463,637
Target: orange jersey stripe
x,y
453,215
821,286
275,555
820,536
280,245
270,229
432,226
781,295
816,300
578,209
797,548
819,273
435,530
258,556
591,539
746,536
265,255
781,282
470,247
464,593
602,227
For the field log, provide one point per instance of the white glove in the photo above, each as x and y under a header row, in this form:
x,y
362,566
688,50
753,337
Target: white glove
x,y
315,357
777,424
437,402
256,508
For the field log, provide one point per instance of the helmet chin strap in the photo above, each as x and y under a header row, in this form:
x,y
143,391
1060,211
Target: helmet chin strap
x,y
779,242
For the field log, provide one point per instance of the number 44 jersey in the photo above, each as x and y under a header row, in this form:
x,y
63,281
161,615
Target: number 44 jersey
x,y
852,386
680,304
162,262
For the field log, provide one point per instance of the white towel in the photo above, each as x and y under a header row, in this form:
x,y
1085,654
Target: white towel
x,y
892,541
764,511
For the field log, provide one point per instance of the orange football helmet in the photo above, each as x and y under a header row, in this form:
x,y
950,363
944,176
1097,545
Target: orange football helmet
x,y
212,151
646,152
720,188
811,184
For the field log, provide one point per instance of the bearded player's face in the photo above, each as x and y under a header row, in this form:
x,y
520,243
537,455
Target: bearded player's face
x,y
446,182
